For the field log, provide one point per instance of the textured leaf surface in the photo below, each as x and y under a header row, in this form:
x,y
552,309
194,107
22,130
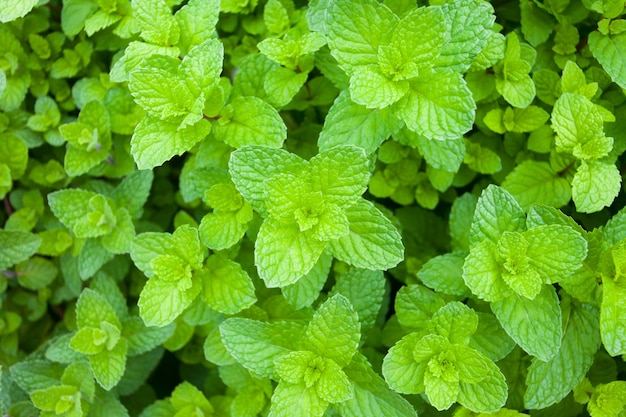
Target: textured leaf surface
x,y
534,324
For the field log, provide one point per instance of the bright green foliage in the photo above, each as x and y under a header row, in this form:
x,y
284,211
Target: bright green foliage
x,y
178,273
312,205
509,265
441,364
335,208
413,62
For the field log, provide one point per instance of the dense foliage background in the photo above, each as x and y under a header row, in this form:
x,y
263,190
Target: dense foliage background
x,y
329,208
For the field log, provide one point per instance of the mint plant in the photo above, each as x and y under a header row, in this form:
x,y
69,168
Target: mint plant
x,y
312,208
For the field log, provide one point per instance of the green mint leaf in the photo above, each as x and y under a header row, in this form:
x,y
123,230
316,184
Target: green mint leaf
x,y
283,254
133,191
256,344
340,175
611,313
371,394
187,397
196,20
155,141
555,251
372,242
36,374
512,79
93,255
356,30
371,88
221,230
307,289
489,395
490,339
250,121
86,213
496,212
439,106
227,288
537,23
549,382
365,290
608,50
595,185
14,10
444,273
160,301
351,123
470,28
578,124
534,324
157,24
163,93
415,305
400,369
253,165
142,339
607,399
334,331
296,400
16,247
534,182
441,154
454,321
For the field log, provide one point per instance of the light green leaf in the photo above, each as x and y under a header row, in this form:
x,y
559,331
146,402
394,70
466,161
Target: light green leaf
x,y
415,306
226,287
444,273
108,366
340,174
282,84
202,66
365,290
487,396
612,313
221,230
296,400
187,396
534,324
307,289
441,154
470,25
161,302
256,344
164,95
490,339
535,182
556,251
155,141
17,246
251,166
595,185
283,254
373,241
441,393
371,88
11,10
133,191
250,121
549,382
157,24
196,21
400,369
356,29
372,395
351,123
456,322
35,374
13,153
496,212
439,106
142,339
92,309
92,257
579,127
334,331
609,50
